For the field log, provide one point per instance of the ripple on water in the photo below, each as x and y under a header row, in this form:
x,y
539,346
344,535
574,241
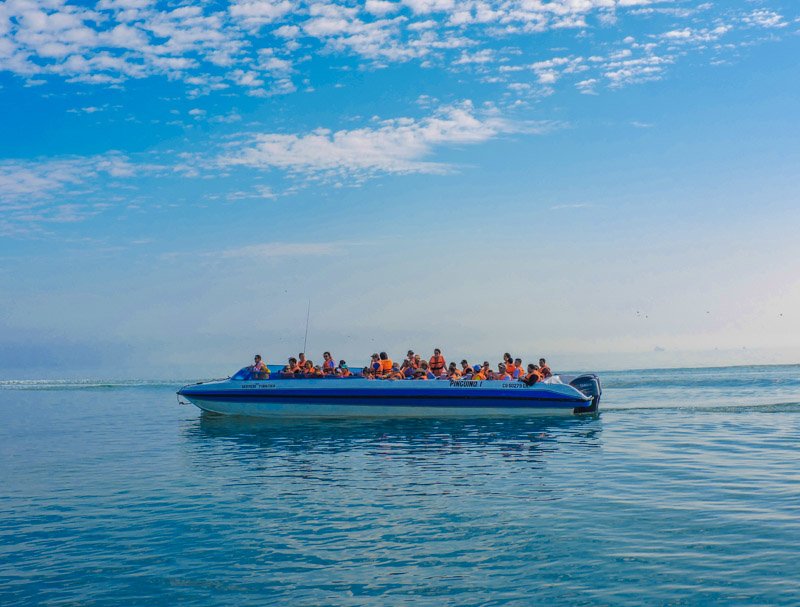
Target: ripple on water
x,y
132,499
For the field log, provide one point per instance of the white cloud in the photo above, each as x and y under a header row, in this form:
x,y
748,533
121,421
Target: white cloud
x,y
214,48
400,145
62,190
765,18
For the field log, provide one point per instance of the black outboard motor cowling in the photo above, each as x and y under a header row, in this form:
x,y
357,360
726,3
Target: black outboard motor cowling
x,y
589,384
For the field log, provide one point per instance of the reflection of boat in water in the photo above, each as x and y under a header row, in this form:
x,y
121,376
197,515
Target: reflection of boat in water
x,y
358,397
416,435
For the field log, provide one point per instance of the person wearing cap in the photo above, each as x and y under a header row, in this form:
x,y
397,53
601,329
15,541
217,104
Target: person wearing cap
x,y
502,373
375,363
480,373
343,368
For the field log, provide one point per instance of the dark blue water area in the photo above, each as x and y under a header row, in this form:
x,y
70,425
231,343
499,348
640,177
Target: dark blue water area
x,y
111,493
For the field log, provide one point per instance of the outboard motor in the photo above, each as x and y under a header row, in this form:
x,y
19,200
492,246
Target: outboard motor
x,y
589,384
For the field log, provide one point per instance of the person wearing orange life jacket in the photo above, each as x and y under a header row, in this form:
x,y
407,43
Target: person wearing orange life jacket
x,y
301,360
511,368
437,363
519,370
478,373
386,363
259,370
344,369
328,364
533,376
425,368
453,372
502,374
544,369
465,367
395,373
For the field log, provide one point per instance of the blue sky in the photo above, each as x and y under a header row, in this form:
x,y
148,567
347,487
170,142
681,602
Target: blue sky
x,y
608,183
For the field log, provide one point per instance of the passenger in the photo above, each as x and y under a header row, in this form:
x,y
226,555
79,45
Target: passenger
x,y
417,361
259,370
453,371
420,374
467,373
502,373
518,369
425,368
375,363
328,365
410,359
507,359
533,376
465,366
479,374
544,369
386,363
486,367
437,362
317,371
510,366
344,369
301,360
490,375
395,373
368,373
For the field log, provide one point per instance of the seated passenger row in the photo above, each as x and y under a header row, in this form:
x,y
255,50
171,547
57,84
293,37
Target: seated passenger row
x,y
413,367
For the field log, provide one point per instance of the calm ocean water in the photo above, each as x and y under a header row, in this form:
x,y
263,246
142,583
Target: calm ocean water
x,y
684,491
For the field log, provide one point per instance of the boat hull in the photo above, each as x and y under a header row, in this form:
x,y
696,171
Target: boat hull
x,y
363,398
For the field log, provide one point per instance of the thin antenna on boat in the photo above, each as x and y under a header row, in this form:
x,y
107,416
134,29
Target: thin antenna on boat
x,y
308,315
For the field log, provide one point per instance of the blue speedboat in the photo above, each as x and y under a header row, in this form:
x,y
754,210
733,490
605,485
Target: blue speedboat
x,y
359,397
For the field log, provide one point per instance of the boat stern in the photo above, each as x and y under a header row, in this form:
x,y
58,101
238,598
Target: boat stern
x,y
589,385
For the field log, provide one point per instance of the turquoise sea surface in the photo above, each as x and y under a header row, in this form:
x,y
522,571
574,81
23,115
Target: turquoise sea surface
x,y
685,490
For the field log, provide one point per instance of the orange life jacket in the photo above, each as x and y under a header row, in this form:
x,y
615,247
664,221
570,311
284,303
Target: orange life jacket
x,y
545,372
533,377
479,375
386,365
455,373
346,373
510,368
437,364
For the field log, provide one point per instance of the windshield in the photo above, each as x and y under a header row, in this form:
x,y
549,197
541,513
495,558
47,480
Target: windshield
x,y
243,374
